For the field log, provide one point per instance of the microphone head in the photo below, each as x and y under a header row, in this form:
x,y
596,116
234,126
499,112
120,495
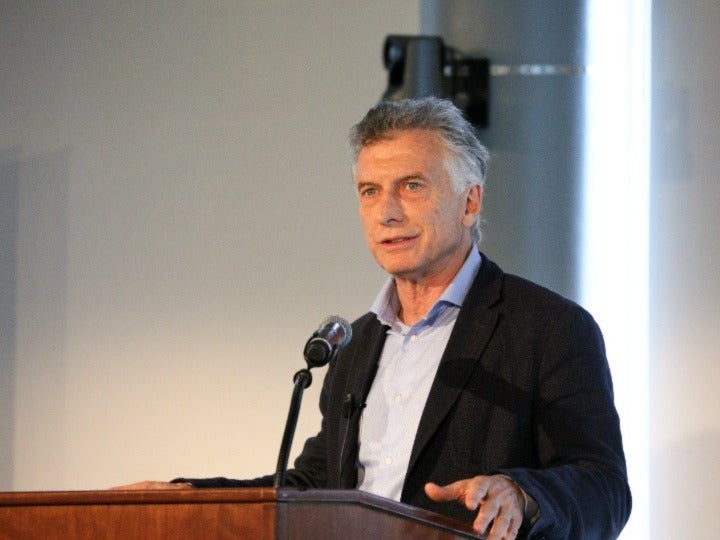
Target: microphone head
x,y
340,328
331,336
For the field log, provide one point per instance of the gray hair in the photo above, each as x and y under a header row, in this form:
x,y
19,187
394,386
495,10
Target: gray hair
x,y
467,158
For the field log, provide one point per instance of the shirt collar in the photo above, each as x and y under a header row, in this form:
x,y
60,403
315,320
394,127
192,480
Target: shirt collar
x,y
387,304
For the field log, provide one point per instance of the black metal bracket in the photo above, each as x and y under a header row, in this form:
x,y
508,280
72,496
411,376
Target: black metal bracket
x,y
420,66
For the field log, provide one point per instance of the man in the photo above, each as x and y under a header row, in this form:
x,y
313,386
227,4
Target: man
x,y
482,396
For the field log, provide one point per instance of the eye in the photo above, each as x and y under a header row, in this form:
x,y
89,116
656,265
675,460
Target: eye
x,y
413,186
368,192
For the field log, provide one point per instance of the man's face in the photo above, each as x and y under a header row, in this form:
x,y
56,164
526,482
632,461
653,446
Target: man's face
x,y
416,226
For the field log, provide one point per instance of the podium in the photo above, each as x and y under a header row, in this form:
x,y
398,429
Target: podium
x,y
248,513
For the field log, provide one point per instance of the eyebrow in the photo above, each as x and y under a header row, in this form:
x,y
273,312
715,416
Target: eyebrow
x,y
406,178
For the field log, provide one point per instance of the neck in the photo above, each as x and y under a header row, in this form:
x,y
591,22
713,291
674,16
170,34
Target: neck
x,y
416,300
418,295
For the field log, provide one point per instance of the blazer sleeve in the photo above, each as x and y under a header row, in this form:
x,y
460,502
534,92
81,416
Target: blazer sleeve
x,y
580,482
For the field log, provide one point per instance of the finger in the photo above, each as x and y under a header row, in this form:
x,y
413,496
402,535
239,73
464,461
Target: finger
x,y
477,490
505,526
501,511
450,492
467,492
489,509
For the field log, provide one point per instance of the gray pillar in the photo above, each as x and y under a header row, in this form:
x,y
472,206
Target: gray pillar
x,y
532,200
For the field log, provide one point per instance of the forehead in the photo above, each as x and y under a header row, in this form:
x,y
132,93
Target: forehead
x,y
401,152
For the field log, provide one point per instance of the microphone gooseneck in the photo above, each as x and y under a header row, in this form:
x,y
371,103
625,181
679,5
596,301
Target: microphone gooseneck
x,y
332,335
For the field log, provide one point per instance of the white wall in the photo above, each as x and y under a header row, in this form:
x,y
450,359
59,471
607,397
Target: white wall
x,y
684,265
177,217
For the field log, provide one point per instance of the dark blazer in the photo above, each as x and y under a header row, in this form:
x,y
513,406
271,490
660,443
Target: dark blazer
x,y
523,389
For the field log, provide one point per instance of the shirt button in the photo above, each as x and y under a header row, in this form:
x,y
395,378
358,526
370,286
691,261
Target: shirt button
x,y
398,398
388,461
414,338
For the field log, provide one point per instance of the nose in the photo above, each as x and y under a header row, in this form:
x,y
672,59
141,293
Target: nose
x,y
390,209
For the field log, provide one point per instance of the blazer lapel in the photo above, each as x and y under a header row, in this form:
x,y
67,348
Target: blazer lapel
x,y
474,327
365,360
361,373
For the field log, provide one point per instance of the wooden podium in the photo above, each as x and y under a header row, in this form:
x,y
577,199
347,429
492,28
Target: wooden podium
x,y
262,513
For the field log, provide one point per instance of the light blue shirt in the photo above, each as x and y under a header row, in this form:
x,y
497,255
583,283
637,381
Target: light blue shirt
x,y
406,371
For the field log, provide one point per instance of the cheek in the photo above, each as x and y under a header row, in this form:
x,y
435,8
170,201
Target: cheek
x,y
362,214
456,216
448,218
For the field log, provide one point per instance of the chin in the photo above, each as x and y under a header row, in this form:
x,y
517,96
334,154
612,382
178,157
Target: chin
x,y
402,272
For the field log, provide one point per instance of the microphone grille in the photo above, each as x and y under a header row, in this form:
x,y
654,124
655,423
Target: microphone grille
x,y
346,327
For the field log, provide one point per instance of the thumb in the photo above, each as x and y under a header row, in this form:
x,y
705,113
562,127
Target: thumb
x,y
442,493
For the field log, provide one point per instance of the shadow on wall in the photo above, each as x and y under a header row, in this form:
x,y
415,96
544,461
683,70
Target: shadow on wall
x,y
692,467
8,302
33,281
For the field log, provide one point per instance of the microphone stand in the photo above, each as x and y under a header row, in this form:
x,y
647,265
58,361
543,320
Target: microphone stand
x,y
302,379
323,345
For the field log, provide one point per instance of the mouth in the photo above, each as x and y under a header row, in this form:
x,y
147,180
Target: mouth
x,y
397,240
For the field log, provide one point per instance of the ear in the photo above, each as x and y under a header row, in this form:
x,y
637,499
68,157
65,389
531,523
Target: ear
x,y
473,205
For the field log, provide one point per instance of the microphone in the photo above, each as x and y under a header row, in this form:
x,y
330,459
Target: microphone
x,y
332,335
350,406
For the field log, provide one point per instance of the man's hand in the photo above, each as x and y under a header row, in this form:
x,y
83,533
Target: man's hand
x,y
499,500
149,485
